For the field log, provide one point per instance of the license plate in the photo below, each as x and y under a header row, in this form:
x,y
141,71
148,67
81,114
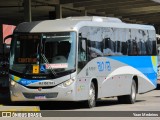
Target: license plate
x,y
40,97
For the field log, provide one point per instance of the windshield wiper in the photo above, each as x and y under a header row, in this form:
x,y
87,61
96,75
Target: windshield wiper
x,y
46,61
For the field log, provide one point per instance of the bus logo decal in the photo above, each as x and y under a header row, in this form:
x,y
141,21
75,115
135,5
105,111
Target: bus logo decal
x,y
103,66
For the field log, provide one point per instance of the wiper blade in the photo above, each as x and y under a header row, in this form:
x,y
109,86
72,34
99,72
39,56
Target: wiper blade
x,y
46,61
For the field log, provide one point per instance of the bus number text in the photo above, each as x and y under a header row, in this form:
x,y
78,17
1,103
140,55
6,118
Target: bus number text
x,y
103,66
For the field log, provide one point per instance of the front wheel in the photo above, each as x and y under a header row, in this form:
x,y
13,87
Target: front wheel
x,y
131,98
91,102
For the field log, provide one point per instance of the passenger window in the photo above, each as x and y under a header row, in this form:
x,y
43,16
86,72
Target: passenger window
x,y
82,52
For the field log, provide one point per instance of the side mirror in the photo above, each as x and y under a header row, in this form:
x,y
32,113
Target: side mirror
x,y
5,48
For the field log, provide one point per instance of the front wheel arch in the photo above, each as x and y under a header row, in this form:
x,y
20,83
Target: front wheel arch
x,y
135,78
96,87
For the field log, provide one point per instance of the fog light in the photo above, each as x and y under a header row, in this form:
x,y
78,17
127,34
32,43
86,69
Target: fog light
x,y
69,92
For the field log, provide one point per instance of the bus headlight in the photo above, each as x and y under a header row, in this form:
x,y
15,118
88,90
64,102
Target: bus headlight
x,y
68,82
13,83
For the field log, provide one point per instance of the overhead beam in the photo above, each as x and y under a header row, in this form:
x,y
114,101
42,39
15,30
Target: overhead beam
x,y
114,5
153,21
134,14
80,12
134,11
101,2
46,2
144,20
124,6
149,19
74,1
65,1
144,15
72,9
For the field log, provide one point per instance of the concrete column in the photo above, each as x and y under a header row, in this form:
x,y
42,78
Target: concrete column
x,y
58,9
27,11
84,13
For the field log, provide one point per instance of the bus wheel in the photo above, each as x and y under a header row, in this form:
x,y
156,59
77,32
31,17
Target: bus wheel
x,y
91,102
131,98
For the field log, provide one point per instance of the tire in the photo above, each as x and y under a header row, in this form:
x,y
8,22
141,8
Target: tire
x,y
131,98
91,102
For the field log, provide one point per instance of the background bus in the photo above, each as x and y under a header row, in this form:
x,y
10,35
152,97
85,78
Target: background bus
x,y
158,48
82,59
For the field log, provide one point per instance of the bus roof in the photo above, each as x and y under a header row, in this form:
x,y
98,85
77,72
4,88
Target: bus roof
x,y
75,23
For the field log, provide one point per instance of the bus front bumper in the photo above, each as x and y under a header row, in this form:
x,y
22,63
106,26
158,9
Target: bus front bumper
x,y
57,93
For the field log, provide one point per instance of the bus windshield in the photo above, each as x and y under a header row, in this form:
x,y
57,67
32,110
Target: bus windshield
x,y
52,52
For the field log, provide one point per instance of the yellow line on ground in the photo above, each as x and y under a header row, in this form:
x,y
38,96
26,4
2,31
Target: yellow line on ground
x,y
22,108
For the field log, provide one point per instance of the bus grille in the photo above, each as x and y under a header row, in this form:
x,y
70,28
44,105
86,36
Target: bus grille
x,y
34,95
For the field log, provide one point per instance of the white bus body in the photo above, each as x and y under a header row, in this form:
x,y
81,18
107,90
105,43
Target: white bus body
x,y
106,58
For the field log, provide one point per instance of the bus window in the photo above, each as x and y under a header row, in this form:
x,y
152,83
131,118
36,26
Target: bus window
x,y
141,42
82,52
148,43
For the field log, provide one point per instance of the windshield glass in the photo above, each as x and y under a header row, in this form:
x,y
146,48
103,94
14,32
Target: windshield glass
x,y
51,52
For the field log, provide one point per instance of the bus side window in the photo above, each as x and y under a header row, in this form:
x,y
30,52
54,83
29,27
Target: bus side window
x,y
82,51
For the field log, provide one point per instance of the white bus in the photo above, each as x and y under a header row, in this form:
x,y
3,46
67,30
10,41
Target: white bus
x,y
82,59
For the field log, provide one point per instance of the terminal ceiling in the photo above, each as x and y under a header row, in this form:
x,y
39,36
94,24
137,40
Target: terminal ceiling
x,y
133,11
